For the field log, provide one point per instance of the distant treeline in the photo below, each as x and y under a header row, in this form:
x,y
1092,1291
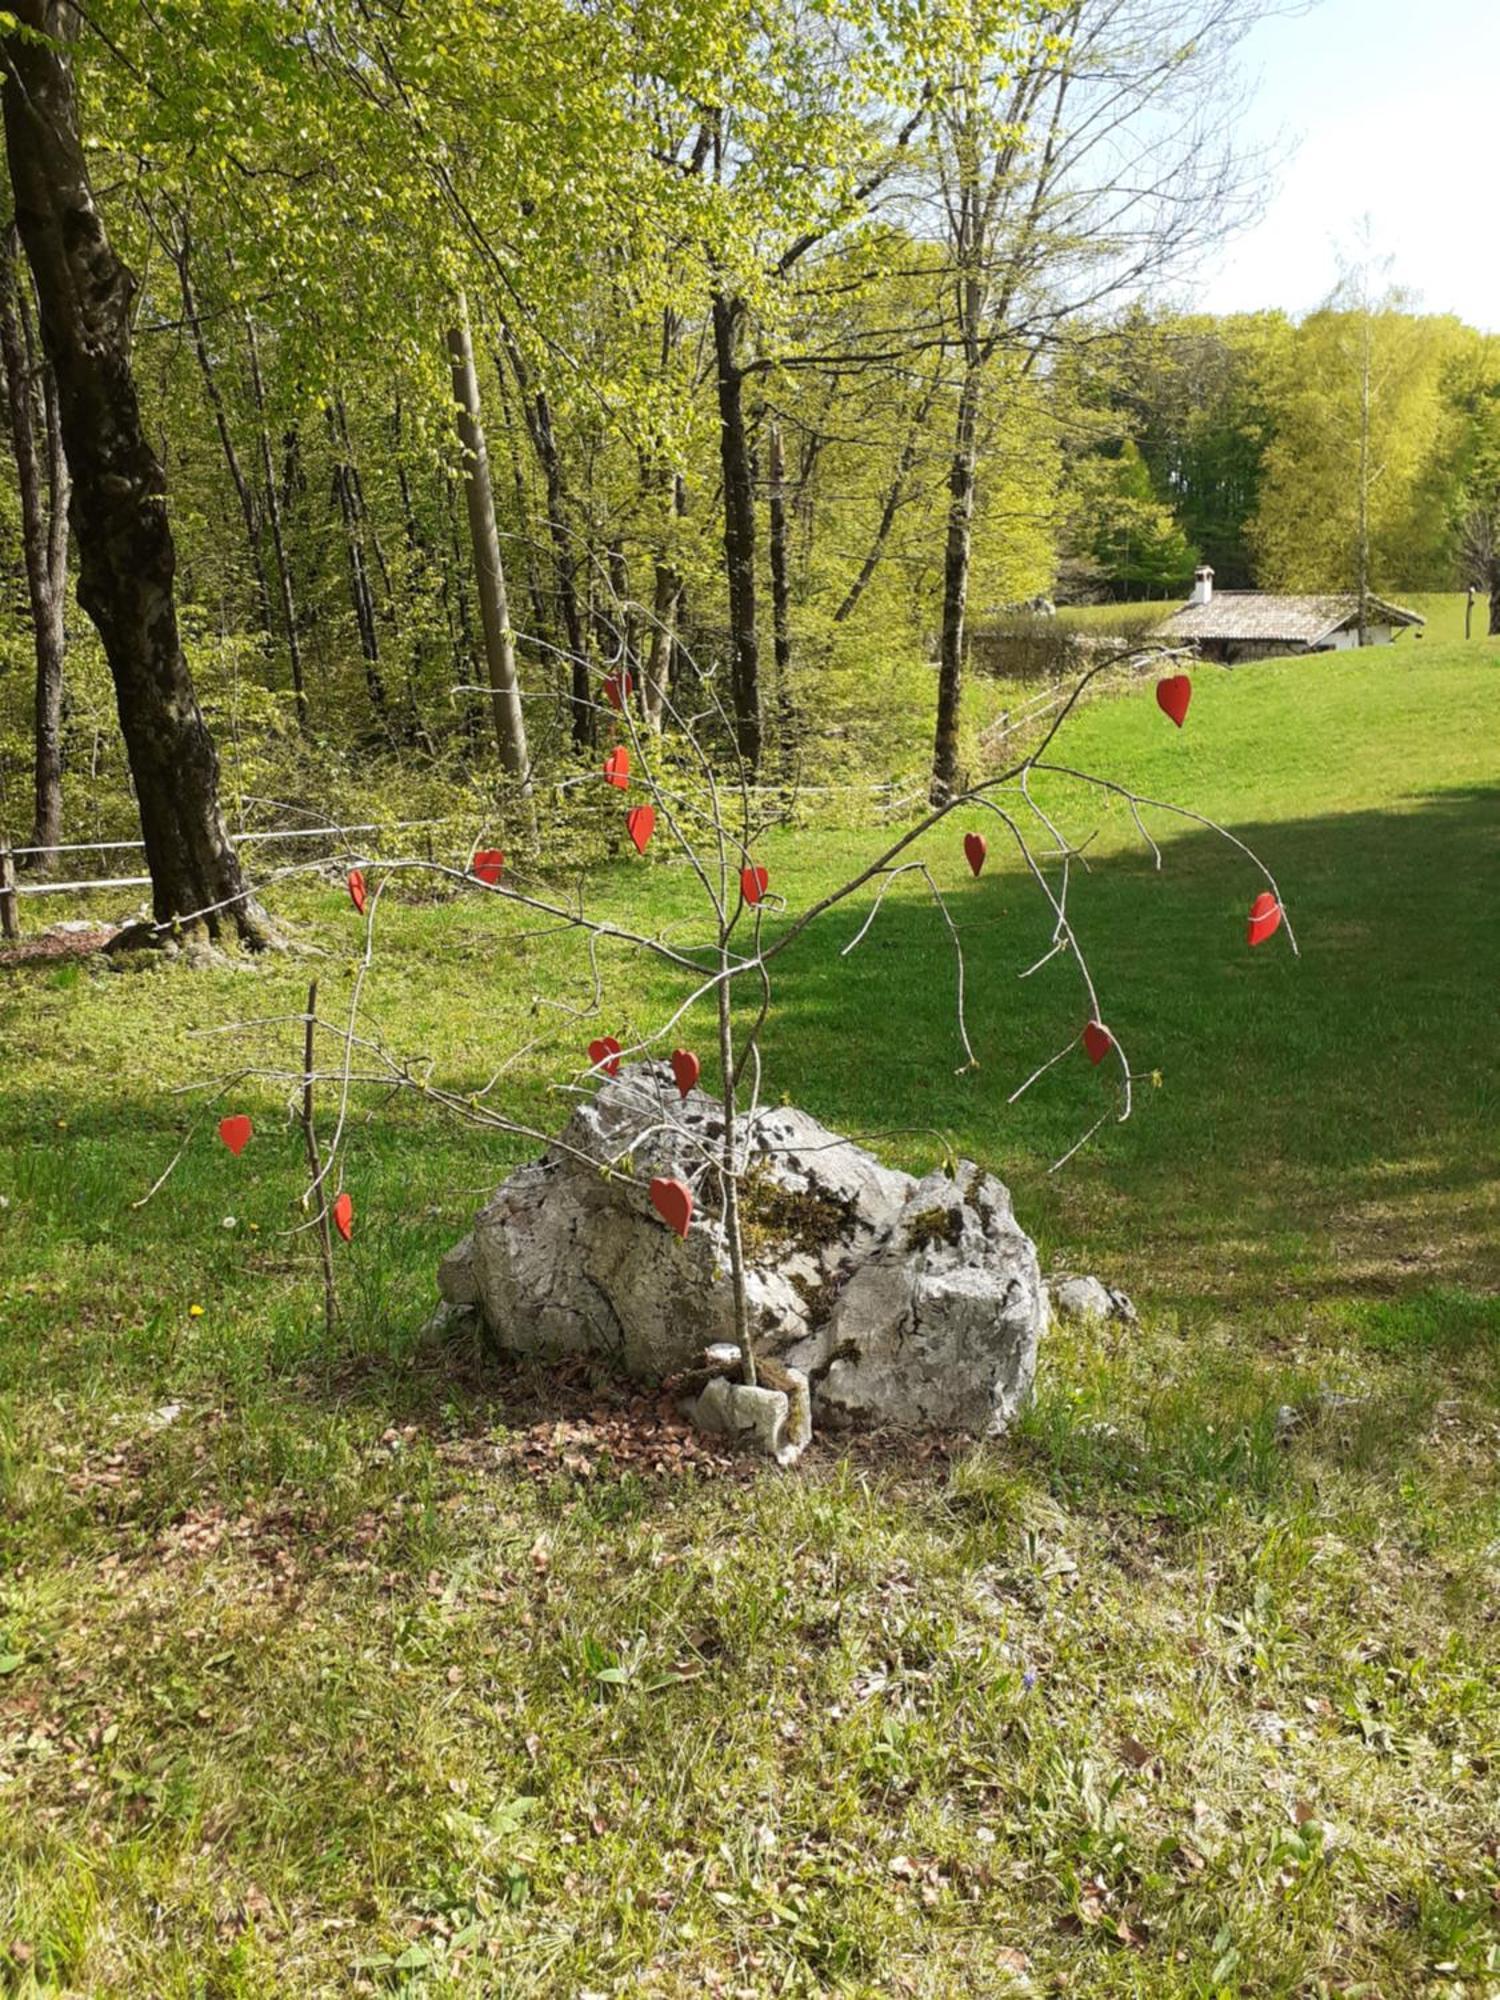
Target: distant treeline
x,y
1246,442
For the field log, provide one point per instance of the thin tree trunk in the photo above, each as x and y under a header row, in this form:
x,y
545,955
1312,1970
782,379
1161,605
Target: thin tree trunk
x,y
1495,599
739,529
955,590
360,593
44,542
249,512
523,509
127,559
465,656
666,599
895,495
1363,553
781,590
538,413
278,533
494,605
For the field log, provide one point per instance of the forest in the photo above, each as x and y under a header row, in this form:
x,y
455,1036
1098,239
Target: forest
x,y
475,354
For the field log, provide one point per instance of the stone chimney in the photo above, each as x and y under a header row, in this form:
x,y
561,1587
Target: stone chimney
x,y
1203,586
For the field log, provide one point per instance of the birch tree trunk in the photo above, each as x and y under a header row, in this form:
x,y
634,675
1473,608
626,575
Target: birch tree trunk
x,y
494,606
127,558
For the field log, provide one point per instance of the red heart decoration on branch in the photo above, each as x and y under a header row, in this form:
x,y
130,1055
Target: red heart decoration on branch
x,y
976,847
1173,696
1098,1041
753,884
673,1202
605,1054
640,824
687,1069
617,689
235,1132
343,1216
489,864
357,889
1265,918
617,768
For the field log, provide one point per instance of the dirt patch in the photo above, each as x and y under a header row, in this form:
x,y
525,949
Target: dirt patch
x,y
55,947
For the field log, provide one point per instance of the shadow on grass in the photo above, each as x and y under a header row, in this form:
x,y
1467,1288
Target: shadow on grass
x,y
1325,1128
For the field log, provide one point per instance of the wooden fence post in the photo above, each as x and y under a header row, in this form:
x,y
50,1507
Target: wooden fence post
x,y
10,913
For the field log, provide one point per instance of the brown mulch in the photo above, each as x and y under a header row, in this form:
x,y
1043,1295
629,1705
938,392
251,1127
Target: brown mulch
x,y
55,947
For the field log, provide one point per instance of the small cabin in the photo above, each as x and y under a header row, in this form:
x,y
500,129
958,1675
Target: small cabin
x,y
1237,625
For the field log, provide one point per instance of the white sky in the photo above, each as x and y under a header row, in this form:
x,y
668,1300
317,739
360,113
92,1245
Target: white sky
x,y
1378,107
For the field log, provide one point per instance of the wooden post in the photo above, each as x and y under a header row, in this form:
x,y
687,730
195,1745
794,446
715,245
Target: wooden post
x,y
10,921
1469,614
310,1140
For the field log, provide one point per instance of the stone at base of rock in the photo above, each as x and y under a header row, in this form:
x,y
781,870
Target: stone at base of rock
x,y
1090,1298
775,1422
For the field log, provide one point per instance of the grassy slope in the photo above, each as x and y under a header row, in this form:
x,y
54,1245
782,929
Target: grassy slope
x,y
304,1680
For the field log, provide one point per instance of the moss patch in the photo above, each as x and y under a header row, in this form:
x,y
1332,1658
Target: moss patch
x,y
935,1225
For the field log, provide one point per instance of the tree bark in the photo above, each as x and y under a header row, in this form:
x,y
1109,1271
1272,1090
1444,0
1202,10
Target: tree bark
x,y
955,590
44,541
127,559
739,529
494,604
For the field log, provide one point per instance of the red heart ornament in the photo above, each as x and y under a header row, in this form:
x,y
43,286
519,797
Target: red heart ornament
x,y
605,1054
235,1132
1098,1041
617,689
489,864
617,768
687,1069
640,824
343,1216
673,1202
1265,918
1173,696
753,884
976,847
357,889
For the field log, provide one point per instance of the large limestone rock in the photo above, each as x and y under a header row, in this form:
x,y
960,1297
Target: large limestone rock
x,y
904,1301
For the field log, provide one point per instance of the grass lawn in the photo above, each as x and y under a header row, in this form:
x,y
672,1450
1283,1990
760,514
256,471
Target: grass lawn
x,y
362,1666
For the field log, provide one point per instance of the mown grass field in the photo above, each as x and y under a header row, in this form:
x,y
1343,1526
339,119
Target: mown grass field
x,y
313,1682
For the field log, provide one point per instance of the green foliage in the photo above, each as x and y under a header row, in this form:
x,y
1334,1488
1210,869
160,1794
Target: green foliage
x,y
1125,534
1305,528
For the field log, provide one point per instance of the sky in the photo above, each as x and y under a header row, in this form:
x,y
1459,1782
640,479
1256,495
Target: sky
x,y
1378,107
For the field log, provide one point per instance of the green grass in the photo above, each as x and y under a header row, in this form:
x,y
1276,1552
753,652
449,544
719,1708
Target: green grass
x,y
312,1681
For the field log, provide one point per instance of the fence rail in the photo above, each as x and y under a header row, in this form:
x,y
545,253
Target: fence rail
x,y
891,795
